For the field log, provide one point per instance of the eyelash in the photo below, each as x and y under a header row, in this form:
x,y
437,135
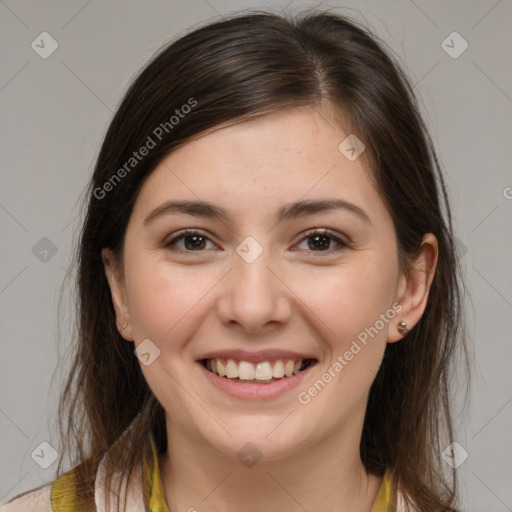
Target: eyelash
x,y
308,234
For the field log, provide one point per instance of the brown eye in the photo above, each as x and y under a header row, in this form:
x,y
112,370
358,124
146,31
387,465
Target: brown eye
x,y
322,241
193,241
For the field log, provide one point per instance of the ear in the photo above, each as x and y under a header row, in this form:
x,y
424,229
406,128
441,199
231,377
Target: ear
x,y
414,286
115,279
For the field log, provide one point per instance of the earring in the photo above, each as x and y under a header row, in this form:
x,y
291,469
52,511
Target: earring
x,y
123,327
402,328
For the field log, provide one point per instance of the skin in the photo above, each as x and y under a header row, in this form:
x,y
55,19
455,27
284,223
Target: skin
x,y
291,297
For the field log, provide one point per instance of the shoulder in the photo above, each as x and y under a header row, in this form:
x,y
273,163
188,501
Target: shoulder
x,y
61,494
35,500
400,503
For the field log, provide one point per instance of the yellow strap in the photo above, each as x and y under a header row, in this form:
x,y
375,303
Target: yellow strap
x,y
384,500
64,496
154,482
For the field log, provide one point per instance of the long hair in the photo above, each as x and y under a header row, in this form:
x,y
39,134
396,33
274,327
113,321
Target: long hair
x,y
227,72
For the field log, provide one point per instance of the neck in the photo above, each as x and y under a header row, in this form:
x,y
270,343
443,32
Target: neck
x,y
326,476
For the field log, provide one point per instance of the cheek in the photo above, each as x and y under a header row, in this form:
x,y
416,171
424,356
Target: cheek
x,y
351,314
347,300
164,299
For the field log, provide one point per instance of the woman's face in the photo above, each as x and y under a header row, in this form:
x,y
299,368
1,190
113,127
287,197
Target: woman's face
x,y
255,283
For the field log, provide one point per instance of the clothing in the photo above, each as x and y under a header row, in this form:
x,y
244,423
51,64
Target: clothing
x,y
59,495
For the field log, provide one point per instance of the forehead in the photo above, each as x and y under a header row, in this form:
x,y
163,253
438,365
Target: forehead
x,y
257,165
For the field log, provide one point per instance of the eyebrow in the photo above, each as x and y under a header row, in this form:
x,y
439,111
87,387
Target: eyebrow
x,y
287,212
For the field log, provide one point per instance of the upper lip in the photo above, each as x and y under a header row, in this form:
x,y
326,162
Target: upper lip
x,y
255,357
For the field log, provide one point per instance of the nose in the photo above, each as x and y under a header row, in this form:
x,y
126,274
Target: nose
x,y
254,297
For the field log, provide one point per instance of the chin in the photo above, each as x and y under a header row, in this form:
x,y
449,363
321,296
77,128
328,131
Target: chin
x,y
266,438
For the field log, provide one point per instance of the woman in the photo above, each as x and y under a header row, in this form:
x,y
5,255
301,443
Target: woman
x,y
269,300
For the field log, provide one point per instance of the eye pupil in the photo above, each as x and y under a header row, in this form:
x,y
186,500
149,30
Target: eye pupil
x,y
197,243
317,238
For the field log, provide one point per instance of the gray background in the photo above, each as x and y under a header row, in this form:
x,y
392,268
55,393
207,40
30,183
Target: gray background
x,y
54,113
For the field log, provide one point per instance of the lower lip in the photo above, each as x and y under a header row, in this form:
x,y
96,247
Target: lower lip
x,y
255,391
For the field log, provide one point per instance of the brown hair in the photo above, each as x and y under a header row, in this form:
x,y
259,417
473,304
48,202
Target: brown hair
x,y
229,71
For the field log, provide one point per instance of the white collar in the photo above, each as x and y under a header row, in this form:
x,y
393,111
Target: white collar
x,y
134,499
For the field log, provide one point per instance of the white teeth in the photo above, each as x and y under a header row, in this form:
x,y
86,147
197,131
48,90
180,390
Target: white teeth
x,y
263,371
220,369
245,371
231,369
278,370
288,368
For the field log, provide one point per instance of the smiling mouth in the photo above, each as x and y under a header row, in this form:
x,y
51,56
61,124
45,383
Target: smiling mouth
x,y
263,372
